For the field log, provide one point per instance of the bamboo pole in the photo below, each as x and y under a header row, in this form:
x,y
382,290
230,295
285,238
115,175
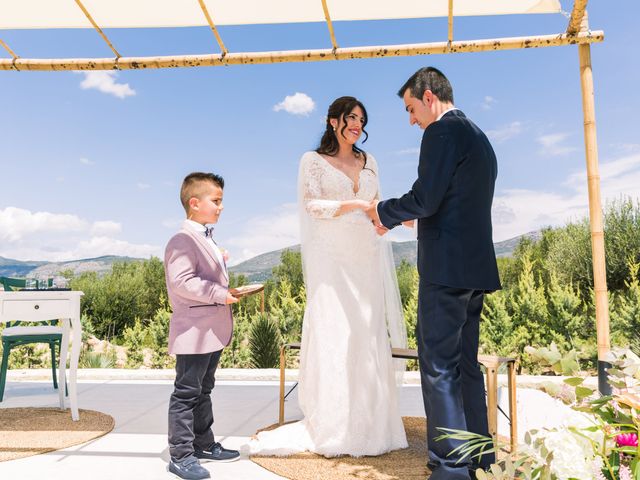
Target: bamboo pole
x,y
98,29
255,58
329,25
578,11
450,35
595,212
223,49
6,47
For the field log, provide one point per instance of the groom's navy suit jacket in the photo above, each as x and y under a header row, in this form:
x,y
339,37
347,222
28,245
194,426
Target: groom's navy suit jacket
x,y
452,201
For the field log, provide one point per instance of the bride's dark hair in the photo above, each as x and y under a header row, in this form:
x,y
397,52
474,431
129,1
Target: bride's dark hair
x,y
339,109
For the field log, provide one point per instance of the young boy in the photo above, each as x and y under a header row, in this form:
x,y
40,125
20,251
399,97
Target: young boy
x,y
201,326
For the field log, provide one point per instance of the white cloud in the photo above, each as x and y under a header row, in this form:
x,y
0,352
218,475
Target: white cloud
x,y
143,186
272,231
105,82
505,132
99,246
296,104
106,227
553,144
18,223
518,211
488,102
26,235
86,161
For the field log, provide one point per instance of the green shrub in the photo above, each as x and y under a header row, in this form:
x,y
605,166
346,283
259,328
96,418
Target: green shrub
x,y
98,359
134,340
264,343
158,333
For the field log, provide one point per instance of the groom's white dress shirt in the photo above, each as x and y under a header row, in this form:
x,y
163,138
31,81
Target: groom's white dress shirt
x,y
445,112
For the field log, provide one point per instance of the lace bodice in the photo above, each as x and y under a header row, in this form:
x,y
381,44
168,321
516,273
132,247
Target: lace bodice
x,y
325,186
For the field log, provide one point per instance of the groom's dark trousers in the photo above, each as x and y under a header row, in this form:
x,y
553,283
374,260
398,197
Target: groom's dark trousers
x,y
452,200
452,383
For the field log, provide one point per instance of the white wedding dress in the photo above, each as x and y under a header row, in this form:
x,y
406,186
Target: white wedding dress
x,y
347,382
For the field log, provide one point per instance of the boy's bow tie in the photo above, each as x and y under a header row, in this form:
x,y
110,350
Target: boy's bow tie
x,y
208,232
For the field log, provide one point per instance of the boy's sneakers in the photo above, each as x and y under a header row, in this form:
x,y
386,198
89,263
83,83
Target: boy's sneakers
x,y
189,469
217,453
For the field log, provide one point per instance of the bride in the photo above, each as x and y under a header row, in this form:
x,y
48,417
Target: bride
x,y
347,380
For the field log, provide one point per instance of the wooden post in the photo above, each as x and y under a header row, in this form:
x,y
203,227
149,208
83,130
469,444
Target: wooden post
x,y
513,406
282,379
492,401
595,212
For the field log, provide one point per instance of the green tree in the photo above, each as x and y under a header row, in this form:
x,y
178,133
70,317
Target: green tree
x,y
625,311
158,333
569,256
496,328
154,289
407,280
410,311
236,354
286,307
571,317
290,269
134,339
622,240
113,302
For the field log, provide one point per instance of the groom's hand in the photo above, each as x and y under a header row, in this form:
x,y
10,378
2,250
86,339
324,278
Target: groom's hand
x,y
381,229
372,212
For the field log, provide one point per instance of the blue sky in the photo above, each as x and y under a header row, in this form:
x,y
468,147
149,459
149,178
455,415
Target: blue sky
x,y
92,164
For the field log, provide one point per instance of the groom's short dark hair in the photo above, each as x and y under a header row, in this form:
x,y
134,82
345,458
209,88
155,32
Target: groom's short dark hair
x,y
428,78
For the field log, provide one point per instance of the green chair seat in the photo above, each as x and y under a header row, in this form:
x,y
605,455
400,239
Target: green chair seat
x,y
17,333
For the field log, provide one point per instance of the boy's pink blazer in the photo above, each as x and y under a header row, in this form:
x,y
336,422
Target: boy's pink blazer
x,y
197,285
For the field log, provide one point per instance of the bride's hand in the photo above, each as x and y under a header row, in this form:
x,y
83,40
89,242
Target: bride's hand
x,y
408,223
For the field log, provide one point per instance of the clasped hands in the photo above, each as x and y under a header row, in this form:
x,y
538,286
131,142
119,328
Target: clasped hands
x,y
372,212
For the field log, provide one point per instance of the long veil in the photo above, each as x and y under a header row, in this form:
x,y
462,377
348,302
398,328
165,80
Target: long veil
x,y
394,313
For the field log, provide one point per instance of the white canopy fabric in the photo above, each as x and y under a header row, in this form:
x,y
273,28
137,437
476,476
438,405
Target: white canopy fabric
x,y
35,14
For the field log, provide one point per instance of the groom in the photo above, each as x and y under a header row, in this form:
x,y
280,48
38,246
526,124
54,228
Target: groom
x,y
457,265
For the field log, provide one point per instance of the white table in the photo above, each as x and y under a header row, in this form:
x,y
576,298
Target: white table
x,y
40,306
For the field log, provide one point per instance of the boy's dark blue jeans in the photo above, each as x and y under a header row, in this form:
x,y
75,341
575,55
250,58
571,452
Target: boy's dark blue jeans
x,y
190,409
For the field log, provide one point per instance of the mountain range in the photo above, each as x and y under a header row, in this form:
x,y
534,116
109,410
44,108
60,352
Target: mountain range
x,y
17,268
256,269
259,268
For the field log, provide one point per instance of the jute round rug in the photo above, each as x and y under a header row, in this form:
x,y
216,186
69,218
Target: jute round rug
x,y
406,464
30,431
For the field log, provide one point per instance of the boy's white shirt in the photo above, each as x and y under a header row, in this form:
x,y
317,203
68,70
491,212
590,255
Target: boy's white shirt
x,y
199,228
